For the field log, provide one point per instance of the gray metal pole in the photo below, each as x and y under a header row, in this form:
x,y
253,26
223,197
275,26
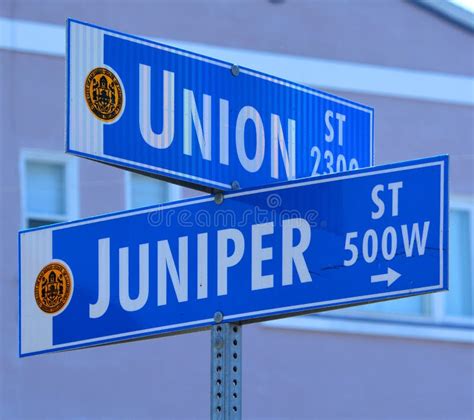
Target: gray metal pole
x,y
226,371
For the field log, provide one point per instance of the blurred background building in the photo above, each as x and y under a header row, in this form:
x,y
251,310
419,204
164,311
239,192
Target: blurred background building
x,y
413,61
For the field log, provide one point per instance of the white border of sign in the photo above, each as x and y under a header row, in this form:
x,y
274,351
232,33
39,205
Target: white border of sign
x,y
84,136
247,317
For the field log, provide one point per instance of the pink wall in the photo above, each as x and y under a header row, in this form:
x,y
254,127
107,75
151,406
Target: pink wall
x,y
287,373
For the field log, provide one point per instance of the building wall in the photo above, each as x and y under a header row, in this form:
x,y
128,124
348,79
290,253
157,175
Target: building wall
x,y
390,33
288,373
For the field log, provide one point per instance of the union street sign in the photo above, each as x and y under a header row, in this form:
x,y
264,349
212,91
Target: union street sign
x,y
200,121
337,240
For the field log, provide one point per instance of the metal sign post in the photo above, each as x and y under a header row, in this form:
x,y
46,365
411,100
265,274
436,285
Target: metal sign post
x,y
226,370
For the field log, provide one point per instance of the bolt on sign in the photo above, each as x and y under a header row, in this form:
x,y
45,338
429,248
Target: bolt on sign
x,y
199,121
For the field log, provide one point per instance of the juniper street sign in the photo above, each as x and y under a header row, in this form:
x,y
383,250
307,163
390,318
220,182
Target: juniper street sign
x,y
342,239
199,121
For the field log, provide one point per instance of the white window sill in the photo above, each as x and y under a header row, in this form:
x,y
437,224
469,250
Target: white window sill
x,y
377,327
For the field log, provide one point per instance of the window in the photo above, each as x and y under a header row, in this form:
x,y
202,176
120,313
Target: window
x,y
448,316
142,191
49,188
459,300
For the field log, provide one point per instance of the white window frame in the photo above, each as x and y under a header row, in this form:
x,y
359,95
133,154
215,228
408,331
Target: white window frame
x,y
437,326
175,191
71,166
466,203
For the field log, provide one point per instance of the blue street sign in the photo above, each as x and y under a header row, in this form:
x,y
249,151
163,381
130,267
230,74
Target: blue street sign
x,y
330,241
199,121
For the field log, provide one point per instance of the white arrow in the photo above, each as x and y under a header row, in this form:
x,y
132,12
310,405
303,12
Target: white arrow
x,y
390,277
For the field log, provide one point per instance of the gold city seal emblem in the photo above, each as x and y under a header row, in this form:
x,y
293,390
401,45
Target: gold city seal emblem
x,y
53,287
103,94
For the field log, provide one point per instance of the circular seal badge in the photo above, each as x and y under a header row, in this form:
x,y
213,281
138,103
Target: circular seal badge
x,y
53,287
103,94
